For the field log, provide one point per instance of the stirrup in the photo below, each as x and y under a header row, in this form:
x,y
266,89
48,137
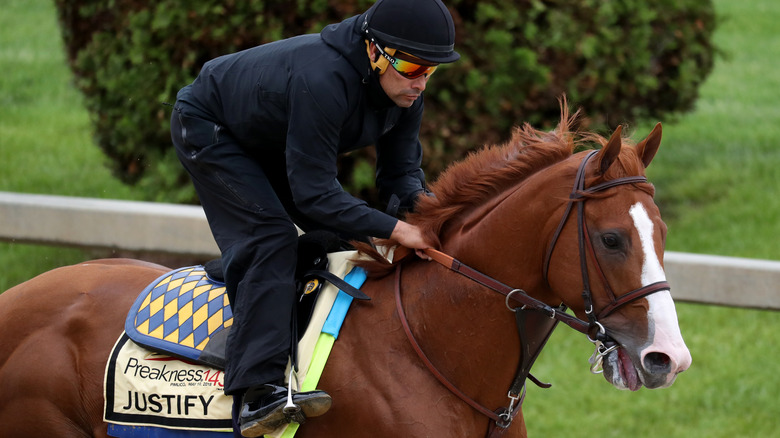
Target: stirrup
x,y
291,410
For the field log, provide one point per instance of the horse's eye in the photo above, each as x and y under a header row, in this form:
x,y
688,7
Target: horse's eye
x,y
610,241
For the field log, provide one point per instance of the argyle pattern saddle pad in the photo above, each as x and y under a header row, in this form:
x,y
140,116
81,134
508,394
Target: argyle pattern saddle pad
x,y
183,313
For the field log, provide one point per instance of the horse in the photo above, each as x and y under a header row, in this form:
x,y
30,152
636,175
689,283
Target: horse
x,y
434,351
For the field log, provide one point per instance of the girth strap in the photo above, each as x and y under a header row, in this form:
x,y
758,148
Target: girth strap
x,y
336,281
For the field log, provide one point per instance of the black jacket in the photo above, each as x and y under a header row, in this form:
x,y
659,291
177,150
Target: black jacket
x,y
313,97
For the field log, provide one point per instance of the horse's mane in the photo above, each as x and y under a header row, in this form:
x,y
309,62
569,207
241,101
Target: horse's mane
x,y
489,171
485,174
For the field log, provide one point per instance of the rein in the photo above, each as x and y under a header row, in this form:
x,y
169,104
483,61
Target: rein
x,y
526,301
431,367
532,313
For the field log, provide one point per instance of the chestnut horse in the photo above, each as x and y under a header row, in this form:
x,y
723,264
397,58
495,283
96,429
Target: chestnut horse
x,y
511,215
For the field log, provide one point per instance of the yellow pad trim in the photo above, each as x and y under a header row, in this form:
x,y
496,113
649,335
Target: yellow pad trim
x,y
319,359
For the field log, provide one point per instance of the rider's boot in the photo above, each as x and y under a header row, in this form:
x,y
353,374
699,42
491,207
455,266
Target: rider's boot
x,y
264,408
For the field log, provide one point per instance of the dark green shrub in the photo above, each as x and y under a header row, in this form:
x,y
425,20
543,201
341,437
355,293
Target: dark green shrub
x,y
621,61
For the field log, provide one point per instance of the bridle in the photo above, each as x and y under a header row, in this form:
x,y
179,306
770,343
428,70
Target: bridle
x,y
578,195
531,313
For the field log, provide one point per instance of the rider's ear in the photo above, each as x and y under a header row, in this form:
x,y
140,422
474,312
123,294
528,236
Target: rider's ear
x,y
647,148
610,151
378,63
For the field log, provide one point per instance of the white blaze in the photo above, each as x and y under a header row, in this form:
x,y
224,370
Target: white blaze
x,y
662,315
651,268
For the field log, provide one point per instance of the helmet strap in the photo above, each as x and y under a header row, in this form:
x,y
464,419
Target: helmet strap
x,y
379,63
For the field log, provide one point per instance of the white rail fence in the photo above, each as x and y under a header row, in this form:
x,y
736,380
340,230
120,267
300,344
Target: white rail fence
x,y
147,227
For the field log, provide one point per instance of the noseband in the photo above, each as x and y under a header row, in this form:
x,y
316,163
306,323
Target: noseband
x,y
529,308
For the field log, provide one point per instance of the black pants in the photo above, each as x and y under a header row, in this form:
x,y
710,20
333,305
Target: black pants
x,y
246,200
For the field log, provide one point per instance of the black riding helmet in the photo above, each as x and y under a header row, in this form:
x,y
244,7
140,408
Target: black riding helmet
x,y
422,28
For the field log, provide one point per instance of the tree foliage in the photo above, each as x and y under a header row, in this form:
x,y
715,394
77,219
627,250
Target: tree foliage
x,y
622,61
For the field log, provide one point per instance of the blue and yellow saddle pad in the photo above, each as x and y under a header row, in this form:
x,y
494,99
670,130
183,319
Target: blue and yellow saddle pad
x,y
183,313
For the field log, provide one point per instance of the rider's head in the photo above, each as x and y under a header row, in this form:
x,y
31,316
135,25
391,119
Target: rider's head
x,y
411,35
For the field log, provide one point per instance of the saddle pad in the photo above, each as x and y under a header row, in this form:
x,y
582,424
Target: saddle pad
x,y
146,390
314,348
181,313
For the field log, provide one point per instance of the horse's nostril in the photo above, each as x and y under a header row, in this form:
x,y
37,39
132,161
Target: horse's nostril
x,y
657,363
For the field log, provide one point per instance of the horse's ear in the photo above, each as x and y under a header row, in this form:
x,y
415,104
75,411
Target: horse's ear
x,y
647,148
609,152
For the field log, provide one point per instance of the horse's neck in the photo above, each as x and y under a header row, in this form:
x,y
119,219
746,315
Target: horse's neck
x,y
507,238
465,329
381,383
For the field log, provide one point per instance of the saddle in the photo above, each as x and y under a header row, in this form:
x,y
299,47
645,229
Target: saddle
x,y
186,313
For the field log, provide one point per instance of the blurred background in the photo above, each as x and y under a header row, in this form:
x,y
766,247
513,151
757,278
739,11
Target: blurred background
x,y
80,116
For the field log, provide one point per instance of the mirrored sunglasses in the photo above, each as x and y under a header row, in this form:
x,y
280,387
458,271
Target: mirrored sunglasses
x,y
407,69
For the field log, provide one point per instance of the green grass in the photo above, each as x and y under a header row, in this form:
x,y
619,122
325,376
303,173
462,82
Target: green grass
x,y
718,169
718,185
717,176
730,390
45,139
46,145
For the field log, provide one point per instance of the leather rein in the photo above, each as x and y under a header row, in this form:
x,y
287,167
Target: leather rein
x,y
531,313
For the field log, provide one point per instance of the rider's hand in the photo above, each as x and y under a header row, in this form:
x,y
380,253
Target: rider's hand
x,y
410,236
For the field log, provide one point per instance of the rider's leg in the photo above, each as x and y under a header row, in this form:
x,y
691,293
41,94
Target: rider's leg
x,y
259,244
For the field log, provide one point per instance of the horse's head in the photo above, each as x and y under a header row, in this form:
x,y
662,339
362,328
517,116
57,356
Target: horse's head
x,y
610,245
547,226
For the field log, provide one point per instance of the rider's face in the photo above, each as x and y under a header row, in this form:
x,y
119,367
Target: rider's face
x,y
401,90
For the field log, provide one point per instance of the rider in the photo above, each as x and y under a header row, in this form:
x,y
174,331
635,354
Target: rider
x,y
259,132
